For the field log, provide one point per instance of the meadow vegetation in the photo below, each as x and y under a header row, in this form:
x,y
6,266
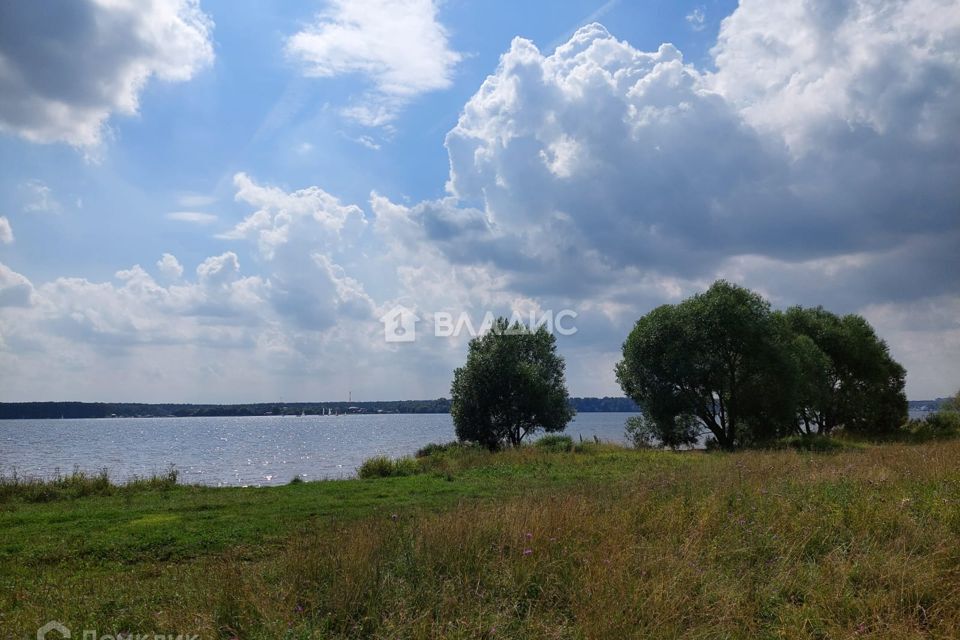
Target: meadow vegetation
x,y
78,484
555,540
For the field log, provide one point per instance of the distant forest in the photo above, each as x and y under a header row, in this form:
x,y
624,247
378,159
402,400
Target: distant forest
x,y
27,410
22,410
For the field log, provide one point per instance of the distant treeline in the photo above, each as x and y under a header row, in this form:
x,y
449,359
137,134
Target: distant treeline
x,y
605,404
48,410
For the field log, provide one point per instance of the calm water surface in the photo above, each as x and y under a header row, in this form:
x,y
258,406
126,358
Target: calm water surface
x,y
259,450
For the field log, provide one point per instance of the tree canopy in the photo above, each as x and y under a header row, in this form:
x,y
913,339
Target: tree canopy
x,y
725,362
511,386
859,386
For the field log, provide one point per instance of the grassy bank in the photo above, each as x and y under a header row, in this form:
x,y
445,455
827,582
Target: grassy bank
x,y
598,542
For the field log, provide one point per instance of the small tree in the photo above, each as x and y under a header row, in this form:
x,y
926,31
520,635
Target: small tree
x,y
511,386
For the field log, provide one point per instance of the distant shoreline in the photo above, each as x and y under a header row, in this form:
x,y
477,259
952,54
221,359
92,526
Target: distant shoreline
x,y
72,410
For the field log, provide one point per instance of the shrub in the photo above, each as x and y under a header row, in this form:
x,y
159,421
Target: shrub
x,y
936,426
556,443
406,466
384,467
812,442
376,467
453,449
944,423
434,449
450,458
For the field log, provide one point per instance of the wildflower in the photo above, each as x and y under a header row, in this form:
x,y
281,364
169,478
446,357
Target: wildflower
x,y
527,552
528,535
394,517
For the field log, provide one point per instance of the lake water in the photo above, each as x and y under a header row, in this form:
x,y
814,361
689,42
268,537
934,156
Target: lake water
x,y
259,450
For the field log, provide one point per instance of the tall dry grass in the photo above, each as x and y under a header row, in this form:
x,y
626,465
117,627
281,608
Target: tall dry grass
x,y
758,544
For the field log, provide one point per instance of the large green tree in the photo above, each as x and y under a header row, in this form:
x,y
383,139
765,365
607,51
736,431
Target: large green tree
x,y
722,357
511,386
857,385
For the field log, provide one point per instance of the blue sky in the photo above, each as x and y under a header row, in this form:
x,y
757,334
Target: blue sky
x,y
308,165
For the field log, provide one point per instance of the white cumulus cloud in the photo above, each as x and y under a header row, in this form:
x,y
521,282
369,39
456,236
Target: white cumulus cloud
x,y
218,270
398,45
320,218
170,266
66,68
860,72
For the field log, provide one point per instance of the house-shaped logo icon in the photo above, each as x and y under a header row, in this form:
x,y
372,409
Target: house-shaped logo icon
x,y
43,633
399,324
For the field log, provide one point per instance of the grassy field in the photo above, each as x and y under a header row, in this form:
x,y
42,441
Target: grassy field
x,y
598,543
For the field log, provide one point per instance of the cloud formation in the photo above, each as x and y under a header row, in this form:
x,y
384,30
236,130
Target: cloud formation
x,y
816,162
865,73
617,159
697,18
67,66
39,198
193,217
170,266
15,289
398,45
6,231
624,158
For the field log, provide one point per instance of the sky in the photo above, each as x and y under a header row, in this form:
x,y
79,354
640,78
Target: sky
x,y
218,201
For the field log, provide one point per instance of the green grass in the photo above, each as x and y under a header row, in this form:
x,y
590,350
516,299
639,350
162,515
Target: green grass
x,y
176,522
593,543
78,485
556,443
